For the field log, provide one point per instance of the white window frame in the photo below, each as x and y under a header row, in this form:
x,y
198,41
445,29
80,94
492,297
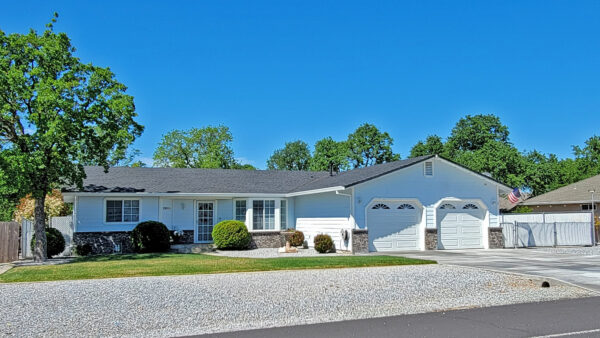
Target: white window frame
x,y
250,213
235,209
425,169
287,207
122,199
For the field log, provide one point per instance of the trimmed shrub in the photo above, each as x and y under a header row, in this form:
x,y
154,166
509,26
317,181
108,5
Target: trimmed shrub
x,y
231,234
297,238
55,242
324,244
83,249
151,236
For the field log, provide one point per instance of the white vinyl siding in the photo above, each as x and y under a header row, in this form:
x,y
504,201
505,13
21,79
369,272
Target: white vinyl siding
x,y
263,214
122,211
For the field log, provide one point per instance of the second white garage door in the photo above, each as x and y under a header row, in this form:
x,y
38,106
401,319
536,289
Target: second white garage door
x,y
394,226
460,226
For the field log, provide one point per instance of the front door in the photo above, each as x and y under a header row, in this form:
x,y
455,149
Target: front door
x,y
205,221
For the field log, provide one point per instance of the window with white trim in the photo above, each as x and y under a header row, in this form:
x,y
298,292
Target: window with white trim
x,y
240,210
263,215
406,206
380,206
283,214
470,206
428,168
447,206
122,211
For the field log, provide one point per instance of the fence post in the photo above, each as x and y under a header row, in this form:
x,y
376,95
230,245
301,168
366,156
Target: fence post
x,y
516,234
555,236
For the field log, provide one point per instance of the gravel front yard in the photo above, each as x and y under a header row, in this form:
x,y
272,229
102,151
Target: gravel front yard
x,y
185,305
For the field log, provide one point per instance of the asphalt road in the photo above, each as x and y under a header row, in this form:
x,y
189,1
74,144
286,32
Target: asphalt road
x,y
565,318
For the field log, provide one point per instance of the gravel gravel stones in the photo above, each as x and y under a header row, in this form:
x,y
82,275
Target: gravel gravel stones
x,y
273,253
577,251
186,305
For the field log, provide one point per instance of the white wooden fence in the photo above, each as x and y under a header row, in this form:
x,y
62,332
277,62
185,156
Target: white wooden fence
x,y
64,224
547,229
333,227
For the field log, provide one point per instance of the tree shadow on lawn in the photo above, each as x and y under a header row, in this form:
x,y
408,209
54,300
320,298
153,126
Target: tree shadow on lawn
x,y
122,257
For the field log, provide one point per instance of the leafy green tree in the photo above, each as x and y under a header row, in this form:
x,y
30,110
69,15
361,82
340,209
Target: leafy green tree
x,y
243,166
433,145
208,147
473,132
368,146
293,156
330,153
588,157
503,161
55,114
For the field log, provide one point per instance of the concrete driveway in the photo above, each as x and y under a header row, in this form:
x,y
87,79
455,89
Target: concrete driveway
x,y
580,266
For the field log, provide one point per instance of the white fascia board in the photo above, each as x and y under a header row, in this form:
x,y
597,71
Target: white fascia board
x,y
315,191
168,194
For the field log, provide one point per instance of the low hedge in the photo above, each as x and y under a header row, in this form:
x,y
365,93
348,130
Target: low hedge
x,y
55,242
324,244
231,234
151,236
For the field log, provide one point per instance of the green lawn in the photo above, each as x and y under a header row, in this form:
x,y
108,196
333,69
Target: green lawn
x,y
112,266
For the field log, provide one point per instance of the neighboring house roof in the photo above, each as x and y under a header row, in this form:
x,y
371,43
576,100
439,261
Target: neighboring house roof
x,y
506,205
230,181
578,192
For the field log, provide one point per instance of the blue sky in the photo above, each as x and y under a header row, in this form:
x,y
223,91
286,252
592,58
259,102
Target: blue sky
x,y
279,71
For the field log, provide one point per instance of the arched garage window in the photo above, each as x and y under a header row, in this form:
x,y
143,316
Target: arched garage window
x,y
406,206
447,206
470,206
380,206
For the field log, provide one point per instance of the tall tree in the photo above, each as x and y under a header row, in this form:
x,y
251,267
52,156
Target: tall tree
x,y
330,153
368,146
56,113
293,156
473,132
208,147
588,157
433,145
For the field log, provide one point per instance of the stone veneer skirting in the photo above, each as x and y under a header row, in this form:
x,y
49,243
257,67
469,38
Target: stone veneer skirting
x,y
496,239
360,241
431,239
267,239
105,242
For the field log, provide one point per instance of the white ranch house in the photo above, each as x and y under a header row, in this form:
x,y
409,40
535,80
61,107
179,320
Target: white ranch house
x,y
415,204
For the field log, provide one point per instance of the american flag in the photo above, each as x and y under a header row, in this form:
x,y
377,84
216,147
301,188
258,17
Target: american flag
x,y
514,196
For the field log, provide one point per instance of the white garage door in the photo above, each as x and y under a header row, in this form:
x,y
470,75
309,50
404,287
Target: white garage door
x,y
460,226
394,226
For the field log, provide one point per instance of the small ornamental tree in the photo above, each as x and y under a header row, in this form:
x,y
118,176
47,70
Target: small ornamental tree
x,y
53,206
57,113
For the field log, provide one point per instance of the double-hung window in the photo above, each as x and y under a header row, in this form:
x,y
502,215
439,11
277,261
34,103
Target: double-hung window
x,y
263,215
122,211
240,210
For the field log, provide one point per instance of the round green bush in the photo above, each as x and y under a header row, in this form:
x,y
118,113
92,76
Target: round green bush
x,y
231,235
297,238
55,242
151,236
83,249
324,244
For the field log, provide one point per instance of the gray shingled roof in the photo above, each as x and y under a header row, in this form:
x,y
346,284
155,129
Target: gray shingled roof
x,y
577,192
180,180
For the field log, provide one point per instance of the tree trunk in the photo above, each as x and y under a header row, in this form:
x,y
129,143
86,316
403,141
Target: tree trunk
x,y
39,253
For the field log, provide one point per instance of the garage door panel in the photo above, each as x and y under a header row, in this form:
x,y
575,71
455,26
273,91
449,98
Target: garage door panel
x,y
460,229
394,229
